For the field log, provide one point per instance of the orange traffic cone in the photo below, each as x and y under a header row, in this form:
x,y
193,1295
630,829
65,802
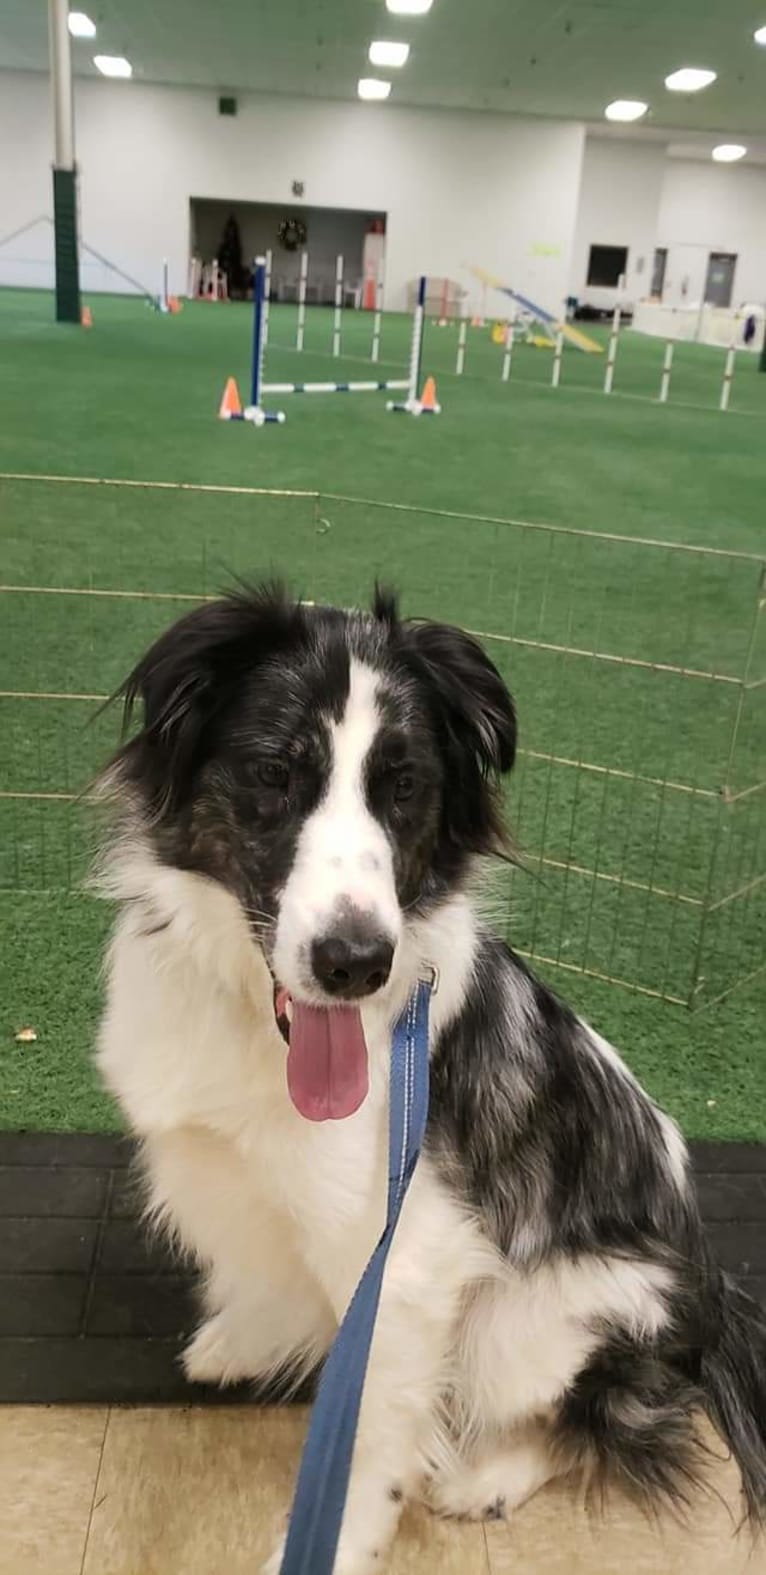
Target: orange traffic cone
x,y
428,400
231,404
86,317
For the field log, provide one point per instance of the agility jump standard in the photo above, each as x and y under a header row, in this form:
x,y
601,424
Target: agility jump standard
x,y
415,405
259,415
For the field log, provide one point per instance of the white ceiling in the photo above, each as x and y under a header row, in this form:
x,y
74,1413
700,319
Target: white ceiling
x,y
542,57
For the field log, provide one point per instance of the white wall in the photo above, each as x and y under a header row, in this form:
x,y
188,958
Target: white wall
x,y
713,208
457,187
619,206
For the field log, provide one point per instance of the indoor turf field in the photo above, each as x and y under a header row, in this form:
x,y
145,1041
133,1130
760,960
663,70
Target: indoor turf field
x,y
134,399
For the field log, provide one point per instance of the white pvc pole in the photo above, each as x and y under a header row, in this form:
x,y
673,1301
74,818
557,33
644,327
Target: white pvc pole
x,y
612,353
667,367
375,351
507,358
557,354
461,339
165,298
338,305
61,84
727,377
416,343
266,299
300,332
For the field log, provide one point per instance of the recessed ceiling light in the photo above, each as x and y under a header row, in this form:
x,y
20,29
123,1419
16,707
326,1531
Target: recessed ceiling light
x,y
760,35
408,7
383,52
113,65
689,79
372,87
80,25
626,109
729,152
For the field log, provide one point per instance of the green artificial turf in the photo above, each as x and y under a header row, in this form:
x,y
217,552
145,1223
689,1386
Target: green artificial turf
x,y
135,398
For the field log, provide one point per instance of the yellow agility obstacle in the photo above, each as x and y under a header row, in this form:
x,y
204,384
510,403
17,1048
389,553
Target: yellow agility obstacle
x,y
573,336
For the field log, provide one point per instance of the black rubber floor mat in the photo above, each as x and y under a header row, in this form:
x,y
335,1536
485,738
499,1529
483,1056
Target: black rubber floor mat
x,y
91,1309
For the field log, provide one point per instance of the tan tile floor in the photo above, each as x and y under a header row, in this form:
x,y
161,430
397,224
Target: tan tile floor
x,y
134,1491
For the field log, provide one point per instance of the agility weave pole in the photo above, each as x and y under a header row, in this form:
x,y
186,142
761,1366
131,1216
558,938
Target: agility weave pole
x,y
376,321
336,322
612,352
667,367
303,279
727,378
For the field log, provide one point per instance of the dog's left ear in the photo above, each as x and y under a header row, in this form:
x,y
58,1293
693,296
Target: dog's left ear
x,y
476,728
475,705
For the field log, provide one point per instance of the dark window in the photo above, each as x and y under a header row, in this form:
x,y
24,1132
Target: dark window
x,y
606,264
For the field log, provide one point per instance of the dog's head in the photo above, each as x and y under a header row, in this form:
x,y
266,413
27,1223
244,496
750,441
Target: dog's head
x,y
336,772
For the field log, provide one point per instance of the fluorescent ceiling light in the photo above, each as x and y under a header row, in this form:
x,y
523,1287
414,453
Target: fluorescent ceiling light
x,y
759,35
372,87
113,65
383,52
729,152
80,25
626,109
689,80
408,7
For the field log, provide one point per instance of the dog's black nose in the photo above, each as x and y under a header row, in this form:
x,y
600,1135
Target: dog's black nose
x,y
349,966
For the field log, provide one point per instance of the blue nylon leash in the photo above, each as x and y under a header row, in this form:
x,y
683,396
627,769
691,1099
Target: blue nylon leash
x,y
320,1495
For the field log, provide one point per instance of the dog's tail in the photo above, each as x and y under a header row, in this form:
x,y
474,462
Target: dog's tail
x,y
733,1378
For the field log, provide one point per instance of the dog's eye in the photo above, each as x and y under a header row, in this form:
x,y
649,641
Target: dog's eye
x,y
404,786
272,773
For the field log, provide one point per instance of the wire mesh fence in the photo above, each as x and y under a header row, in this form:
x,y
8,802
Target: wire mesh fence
x,y
638,667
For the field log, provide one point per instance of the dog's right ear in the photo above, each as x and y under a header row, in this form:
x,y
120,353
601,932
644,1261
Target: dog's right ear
x,y
186,678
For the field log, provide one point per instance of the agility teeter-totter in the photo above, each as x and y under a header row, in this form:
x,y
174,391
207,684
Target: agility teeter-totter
x,y
231,406
573,336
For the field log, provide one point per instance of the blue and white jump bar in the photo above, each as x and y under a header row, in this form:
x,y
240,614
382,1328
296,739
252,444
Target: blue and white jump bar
x,y
333,388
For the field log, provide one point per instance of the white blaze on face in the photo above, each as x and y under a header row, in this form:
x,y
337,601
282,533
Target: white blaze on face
x,y
342,857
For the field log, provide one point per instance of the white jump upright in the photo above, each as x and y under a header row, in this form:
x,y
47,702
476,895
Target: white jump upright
x,y
267,298
505,370
338,305
413,405
255,412
667,367
557,354
376,321
164,301
728,377
461,340
303,279
612,351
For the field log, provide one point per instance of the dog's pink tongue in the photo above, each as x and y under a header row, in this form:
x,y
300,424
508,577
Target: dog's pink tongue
x,y
326,1061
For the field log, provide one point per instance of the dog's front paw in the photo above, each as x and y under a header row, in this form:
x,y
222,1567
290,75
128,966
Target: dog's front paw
x,y
210,1357
274,1564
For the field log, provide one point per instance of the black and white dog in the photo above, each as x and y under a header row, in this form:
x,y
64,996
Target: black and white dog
x,y
299,821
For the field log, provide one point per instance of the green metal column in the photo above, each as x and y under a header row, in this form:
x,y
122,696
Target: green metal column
x,y
67,257
64,168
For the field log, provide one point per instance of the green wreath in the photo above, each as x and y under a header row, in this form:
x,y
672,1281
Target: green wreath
x,y
291,234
